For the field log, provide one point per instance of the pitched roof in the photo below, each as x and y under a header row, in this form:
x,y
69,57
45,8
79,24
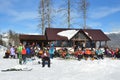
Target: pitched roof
x,y
96,35
93,34
31,37
51,34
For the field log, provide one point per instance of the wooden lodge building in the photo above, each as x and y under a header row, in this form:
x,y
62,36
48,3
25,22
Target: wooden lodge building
x,y
64,37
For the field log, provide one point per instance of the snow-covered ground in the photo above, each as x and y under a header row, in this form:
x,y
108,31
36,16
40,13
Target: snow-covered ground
x,y
106,69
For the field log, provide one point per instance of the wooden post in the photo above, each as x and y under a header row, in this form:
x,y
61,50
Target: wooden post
x,y
100,44
106,43
84,45
42,44
95,45
91,45
74,44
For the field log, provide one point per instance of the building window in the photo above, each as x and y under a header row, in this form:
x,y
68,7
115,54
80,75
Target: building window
x,y
63,43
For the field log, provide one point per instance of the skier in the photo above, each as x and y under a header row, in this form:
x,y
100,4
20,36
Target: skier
x,y
12,52
19,50
45,58
51,50
24,55
28,52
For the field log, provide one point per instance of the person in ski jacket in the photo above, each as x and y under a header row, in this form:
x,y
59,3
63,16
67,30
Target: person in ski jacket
x,y
79,54
51,51
45,58
116,53
19,50
7,54
63,54
40,53
12,52
24,54
28,52
93,54
32,51
87,53
99,53
112,53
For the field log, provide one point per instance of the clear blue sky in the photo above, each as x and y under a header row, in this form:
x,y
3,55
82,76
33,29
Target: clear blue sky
x,y
21,16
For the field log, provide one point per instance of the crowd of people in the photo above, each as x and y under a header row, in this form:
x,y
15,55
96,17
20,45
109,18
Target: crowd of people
x,y
22,52
98,53
88,53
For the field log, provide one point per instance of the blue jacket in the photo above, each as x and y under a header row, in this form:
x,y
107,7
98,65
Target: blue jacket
x,y
51,50
99,52
28,51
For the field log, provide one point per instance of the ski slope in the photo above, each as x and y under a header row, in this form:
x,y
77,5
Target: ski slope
x,y
60,69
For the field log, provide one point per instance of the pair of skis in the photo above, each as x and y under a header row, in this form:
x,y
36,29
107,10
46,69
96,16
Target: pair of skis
x,y
14,69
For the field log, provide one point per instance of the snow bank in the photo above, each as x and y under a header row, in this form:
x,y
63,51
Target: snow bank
x,y
107,69
2,50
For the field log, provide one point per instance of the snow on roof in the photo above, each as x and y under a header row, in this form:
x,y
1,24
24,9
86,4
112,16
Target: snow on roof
x,y
5,34
68,33
88,35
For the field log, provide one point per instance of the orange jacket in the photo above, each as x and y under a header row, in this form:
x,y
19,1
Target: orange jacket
x,y
78,53
88,52
40,52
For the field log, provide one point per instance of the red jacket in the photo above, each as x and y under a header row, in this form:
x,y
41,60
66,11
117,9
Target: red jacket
x,y
23,51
